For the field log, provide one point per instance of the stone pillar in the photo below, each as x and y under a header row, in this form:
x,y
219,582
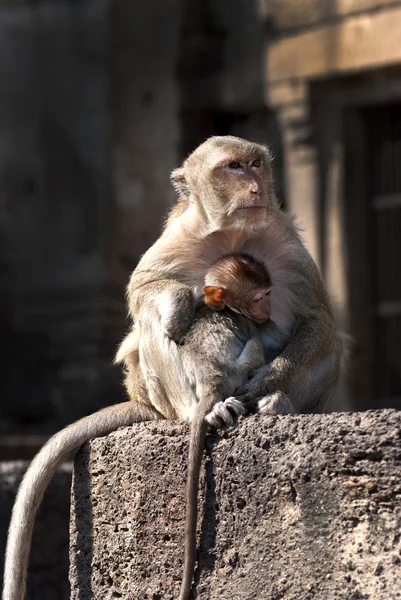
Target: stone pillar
x,y
304,507
301,169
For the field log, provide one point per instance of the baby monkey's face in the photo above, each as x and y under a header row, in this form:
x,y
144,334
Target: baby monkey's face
x,y
255,304
242,283
251,301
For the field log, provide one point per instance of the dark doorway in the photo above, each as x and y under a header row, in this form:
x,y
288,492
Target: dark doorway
x,y
373,180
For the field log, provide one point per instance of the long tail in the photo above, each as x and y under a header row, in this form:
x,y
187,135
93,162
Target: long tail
x,y
198,433
58,449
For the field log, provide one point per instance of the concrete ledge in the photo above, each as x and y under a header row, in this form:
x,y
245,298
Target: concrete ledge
x,y
305,507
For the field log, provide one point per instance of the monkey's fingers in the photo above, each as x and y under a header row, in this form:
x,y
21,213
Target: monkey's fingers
x,y
235,406
276,404
252,391
249,402
224,413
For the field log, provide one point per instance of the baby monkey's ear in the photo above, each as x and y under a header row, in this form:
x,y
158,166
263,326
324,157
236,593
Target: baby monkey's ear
x,y
215,297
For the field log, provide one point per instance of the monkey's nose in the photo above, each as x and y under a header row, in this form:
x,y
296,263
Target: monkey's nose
x,y
254,188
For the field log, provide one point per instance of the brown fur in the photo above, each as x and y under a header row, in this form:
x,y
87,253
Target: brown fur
x,y
212,222
235,269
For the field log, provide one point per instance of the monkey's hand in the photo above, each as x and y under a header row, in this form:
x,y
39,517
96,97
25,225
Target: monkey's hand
x,y
177,311
262,394
276,404
224,413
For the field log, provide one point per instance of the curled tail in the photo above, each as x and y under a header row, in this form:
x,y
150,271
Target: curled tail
x,y
57,450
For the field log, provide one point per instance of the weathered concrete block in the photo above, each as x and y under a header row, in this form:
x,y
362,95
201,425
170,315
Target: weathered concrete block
x,y
48,565
305,507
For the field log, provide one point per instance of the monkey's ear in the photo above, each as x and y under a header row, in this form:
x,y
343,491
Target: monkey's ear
x,y
214,297
179,182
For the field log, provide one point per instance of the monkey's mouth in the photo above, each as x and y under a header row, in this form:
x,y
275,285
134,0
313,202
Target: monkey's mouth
x,y
260,321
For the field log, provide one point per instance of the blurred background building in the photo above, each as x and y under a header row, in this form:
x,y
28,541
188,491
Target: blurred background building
x,y
100,100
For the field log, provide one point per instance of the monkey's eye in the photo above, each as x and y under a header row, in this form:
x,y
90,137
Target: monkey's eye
x,y
257,297
256,163
234,164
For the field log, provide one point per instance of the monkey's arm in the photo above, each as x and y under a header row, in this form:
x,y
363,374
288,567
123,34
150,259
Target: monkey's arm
x,y
153,295
312,341
156,292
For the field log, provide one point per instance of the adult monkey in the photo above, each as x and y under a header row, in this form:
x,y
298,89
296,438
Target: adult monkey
x,y
226,203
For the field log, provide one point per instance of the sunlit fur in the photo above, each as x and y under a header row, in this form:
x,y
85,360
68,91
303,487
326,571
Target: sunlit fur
x,y
209,221
205,175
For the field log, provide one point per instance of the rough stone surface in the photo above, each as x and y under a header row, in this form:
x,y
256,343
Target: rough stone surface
x,y
305,507
48,565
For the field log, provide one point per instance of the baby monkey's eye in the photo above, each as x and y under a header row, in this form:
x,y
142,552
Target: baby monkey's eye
x,y
256,163
234,164
260,295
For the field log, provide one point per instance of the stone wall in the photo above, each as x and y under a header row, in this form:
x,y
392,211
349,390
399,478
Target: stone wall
x,y
305,507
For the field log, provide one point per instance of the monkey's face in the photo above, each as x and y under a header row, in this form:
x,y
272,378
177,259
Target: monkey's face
x,y
248,300
231,180
241,185
255,305
241,283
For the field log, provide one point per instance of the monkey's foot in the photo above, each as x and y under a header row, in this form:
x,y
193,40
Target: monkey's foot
x,y
224,413
276,404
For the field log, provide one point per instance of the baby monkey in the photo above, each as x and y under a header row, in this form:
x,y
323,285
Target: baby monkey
x,y
218,354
